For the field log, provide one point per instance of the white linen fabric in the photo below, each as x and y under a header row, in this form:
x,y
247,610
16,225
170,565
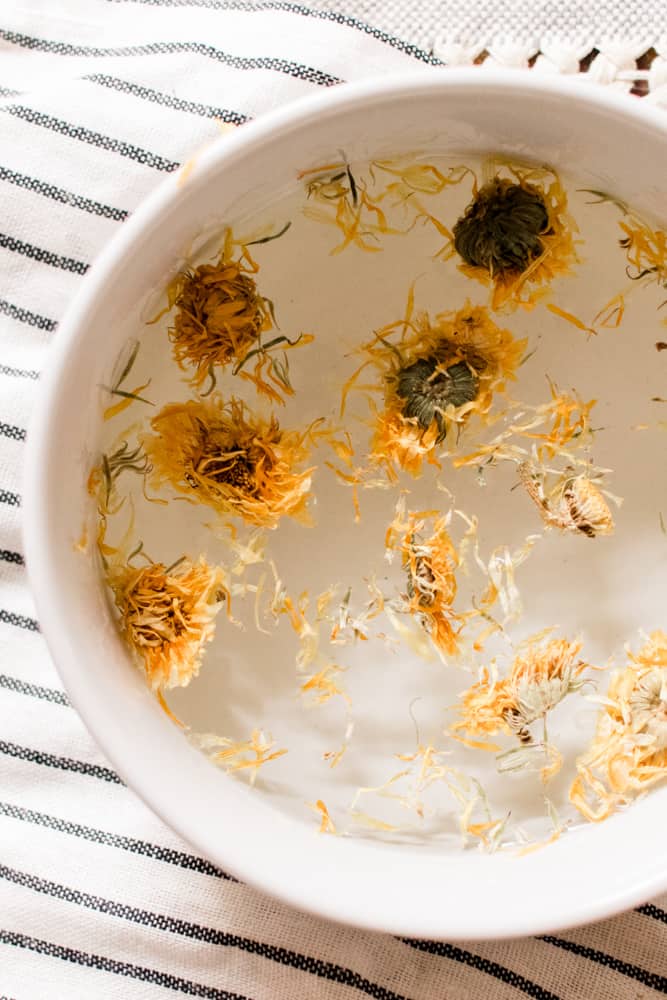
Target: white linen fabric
x,y
98,101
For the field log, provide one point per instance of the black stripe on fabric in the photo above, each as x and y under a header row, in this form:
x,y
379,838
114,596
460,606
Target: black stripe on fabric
x,y
12,431
6,555
167,100
12,499
62,195
286,66
21,621
450,951
61,763
33,690
209,935
143,156
43,256
650,979
18,373
106,142
180,859
25,316
294,8
650,910
104,964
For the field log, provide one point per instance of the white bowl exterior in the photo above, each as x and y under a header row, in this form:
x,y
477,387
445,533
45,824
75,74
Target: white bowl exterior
x,y
414,891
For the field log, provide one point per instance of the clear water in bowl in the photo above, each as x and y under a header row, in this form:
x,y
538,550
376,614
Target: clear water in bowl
x,y
402,693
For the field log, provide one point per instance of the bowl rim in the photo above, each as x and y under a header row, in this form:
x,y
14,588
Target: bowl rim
x,y
322,884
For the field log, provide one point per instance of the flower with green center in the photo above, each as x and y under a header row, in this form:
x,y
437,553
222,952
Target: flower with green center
x,y
516,234
442,371
428,388
501,229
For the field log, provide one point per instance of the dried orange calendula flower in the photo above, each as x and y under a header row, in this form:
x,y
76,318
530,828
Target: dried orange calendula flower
x,y
167,616
574,503
219,318
223,455
542,674
430,562
440,372
629,750
516,235
218,314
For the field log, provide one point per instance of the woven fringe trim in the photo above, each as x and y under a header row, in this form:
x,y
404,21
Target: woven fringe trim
x,y
643,73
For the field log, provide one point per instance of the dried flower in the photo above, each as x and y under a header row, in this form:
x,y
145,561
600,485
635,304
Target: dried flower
x,y
573,504
440,372
430,564
516,231
219,315
223,455
166,616
501,229
629,750
428,388
539,678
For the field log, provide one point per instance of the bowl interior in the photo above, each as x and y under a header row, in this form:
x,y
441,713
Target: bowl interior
x,y
411,888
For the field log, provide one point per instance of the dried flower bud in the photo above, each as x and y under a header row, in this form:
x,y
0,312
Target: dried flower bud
x,y
500,230
428,389
574,504
222,454
167,616
219,315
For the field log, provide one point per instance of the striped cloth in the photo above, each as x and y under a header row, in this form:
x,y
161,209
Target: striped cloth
x,y
98,101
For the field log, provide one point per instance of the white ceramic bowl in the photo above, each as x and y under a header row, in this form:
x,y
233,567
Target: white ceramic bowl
x,y
610,141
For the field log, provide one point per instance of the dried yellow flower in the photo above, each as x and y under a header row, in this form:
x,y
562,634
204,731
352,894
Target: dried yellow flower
x,y
218,315
440,372
219,319
573,504
517,235
222,455
629,750
540,677
430,564
167,616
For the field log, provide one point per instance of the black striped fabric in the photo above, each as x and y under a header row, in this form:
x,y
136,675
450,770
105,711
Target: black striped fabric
x,y
99,99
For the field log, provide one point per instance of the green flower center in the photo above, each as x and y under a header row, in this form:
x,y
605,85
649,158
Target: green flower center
x,y
428,390
501,229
